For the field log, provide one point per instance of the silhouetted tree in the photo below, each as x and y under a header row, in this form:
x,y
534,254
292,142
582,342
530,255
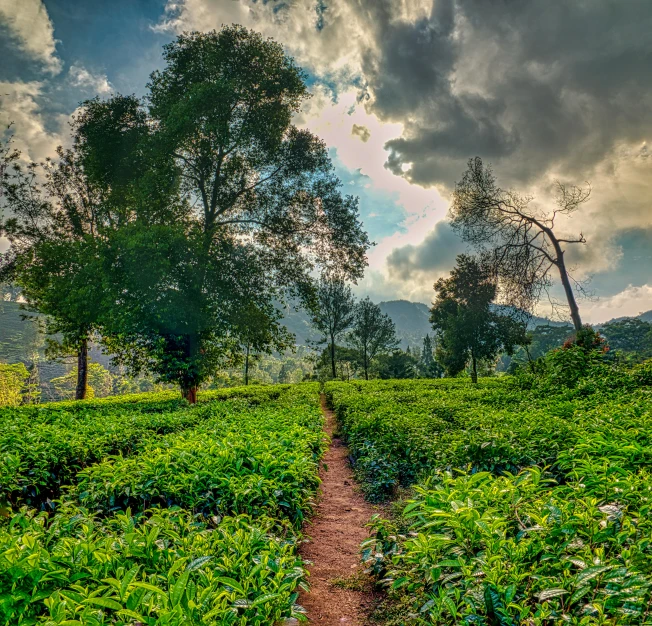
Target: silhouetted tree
x,y
517,236
332,312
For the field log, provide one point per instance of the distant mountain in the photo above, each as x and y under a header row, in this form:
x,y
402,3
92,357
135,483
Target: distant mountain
x,y
411,320
645,317
21,338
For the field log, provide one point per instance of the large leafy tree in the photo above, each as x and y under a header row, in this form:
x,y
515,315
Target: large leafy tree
x,y
61,214
467,327
52,225
517,235
332,313
372,333
257,207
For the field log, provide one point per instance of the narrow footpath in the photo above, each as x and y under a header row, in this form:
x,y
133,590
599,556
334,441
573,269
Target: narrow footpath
x,y
335,534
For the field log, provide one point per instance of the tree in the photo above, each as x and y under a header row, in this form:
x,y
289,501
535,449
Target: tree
x,y
630,335
372,333
466,327
518,236
13,378
53,234
397,364
100,382
257,204
428,366
332,312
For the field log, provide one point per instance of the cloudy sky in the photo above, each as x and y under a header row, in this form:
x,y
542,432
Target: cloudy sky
x,y
404,92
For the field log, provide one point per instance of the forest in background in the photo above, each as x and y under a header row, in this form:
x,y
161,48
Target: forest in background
x,y
23,341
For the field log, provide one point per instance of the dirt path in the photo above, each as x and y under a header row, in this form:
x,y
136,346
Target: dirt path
x,y
335,534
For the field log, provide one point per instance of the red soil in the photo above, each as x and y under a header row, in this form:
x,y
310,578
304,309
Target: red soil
x,y
335,534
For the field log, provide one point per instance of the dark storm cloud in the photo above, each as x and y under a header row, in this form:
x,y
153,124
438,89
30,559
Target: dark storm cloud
x,y
531,86
434,256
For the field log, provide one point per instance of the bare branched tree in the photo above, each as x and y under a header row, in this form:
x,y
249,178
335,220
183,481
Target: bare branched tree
x,y
517,236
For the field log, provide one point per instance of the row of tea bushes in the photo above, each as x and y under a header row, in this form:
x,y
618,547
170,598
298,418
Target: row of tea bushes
x,y
43,447
531,510
399,431
230,557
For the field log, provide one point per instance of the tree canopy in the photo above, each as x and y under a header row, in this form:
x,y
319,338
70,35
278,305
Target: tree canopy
x,y
246,205
332,312
466,326
372,333
517,236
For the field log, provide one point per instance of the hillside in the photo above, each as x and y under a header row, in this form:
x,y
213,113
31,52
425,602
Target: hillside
x,y
21,338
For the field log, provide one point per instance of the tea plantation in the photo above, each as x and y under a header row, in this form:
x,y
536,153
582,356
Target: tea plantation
x,y
516,505
146,510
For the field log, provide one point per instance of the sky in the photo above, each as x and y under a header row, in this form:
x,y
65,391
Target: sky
x,y
404,92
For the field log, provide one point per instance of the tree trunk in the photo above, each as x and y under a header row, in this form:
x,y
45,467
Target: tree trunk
x,y
189,387
565,281
366,365
474,371
333,357
529,360
82,370
189,394
247,366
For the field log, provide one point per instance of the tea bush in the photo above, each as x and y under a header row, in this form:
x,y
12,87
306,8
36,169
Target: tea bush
x,y
526,507
117,549
43,447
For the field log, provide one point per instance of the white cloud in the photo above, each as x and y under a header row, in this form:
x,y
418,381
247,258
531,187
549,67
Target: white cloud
x,y
79,76
19,107
30,25
628,303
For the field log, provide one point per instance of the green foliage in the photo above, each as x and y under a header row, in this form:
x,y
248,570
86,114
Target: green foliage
x,y
100,383
466,327
230,558
630,335
528,506
372,333
250,207
13,379
397,364
428,367
332,312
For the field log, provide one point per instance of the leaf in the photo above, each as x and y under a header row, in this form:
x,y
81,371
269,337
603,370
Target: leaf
x,y
133,615
149,587
197,563
580,593
229,582
590,573
399,582
126,581
265,598
551,593
107,603
179,588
